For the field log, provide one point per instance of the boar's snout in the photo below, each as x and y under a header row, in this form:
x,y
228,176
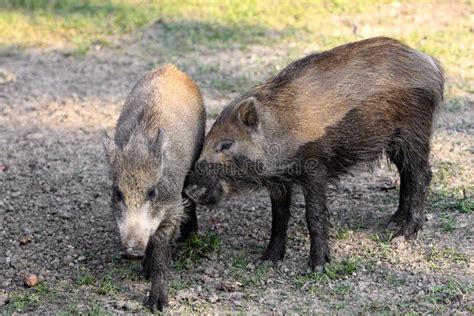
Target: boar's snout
x,y
132,253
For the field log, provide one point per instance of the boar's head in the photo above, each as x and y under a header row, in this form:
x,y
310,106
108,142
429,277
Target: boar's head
x,y
237,146
141,197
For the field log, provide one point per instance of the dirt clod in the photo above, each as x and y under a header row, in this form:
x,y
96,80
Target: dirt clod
x,y
30,280
25,239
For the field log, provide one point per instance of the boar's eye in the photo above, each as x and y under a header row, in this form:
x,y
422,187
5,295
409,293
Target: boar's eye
x,y
224,145
151,193
118,195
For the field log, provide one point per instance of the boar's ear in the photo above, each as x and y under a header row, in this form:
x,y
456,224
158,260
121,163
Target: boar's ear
x,y
247,112
111,149
156,145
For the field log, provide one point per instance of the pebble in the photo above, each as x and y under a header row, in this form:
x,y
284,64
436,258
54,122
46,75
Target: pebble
x,y
30,280
213,298
127,305
4,299
250,266
25,239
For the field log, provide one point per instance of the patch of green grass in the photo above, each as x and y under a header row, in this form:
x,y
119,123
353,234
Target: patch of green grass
x,y
332,271
239,262
341,289
177,284
255,278
126,269
452,199
381,251
445,173
437,256
445,195
86,279
195,249
456,104
447,223
82,23
97,310
343,234
450,292
23,301
393,279
106,287
193,24
342,268
383,237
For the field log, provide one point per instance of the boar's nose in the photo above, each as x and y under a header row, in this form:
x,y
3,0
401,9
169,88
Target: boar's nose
x,y
132,253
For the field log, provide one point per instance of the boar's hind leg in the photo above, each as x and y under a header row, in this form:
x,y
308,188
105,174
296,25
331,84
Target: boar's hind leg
x,y
280,196
190,225
412,161
317,218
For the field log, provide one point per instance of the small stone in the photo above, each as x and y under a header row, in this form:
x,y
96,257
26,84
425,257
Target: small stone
x,y
209,271
420,293
25,239
213,298
229,286
30,280
4,299
81,258
6,76
119,304
362,286
429,217
130,306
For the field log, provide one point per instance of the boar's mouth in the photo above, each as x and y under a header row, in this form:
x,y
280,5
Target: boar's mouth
x,y
132,254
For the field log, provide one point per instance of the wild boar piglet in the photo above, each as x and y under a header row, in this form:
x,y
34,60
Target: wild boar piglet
x,y
158,138
322,115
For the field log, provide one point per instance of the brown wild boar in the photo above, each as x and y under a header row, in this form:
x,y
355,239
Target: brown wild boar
x,y
320,116
159,137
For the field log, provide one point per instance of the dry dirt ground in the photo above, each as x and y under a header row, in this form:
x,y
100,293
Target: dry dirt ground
x,y
55,219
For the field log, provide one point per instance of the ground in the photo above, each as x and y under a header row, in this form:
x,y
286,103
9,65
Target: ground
x,y
62,84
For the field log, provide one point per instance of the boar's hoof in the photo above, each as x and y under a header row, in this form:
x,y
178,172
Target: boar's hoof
x,y
397,219
408,231
316,263
155,303
317,269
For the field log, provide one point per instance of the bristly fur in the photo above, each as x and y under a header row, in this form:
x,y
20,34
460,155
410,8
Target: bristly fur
x,y
159,136
321,116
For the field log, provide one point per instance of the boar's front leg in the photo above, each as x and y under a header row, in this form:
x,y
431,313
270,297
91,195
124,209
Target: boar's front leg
x,y
281,199
317,218
158,271
190,224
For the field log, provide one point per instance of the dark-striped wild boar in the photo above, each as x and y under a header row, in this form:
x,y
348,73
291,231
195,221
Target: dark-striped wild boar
x,y
320,116
159,137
